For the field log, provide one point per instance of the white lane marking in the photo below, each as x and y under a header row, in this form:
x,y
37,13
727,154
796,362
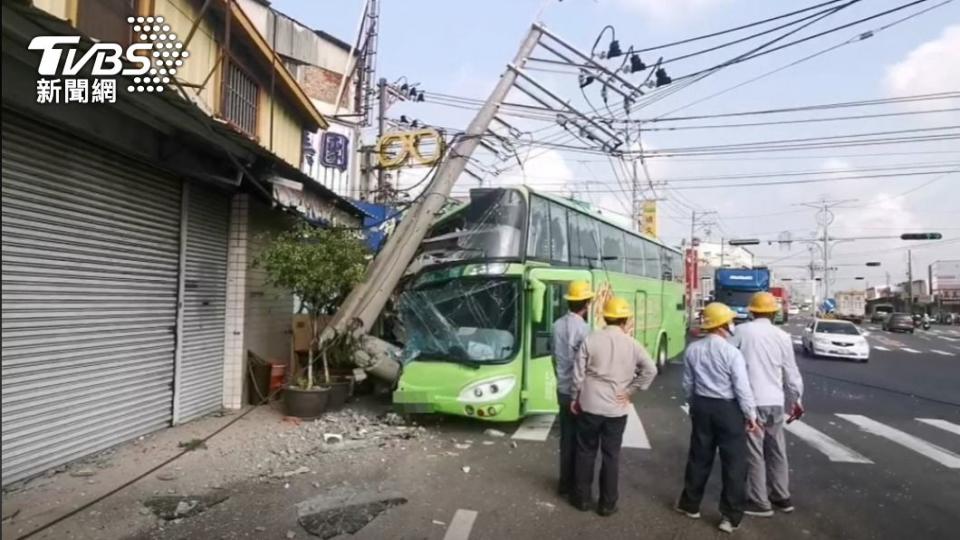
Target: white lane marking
x,y
834,451
880,348
918,445
909,350
944,353
942,424
634,435
461,525
535,428
949,338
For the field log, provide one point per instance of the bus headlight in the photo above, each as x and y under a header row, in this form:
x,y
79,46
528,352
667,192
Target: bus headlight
x,y
490,390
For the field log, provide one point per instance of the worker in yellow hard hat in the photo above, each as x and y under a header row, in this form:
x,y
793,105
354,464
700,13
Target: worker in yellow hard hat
x,y
569,332
777,385
611,366
722,412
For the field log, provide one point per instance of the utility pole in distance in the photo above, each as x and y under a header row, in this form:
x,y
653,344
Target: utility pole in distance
x,y
367,300
381,127
910,281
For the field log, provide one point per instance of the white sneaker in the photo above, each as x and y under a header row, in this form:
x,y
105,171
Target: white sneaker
x,y
727,527
691,515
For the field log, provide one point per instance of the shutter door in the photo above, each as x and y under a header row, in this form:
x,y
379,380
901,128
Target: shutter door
x,y
90,264
205,299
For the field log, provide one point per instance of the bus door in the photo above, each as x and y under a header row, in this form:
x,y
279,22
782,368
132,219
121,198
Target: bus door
x,y
539,393
641,322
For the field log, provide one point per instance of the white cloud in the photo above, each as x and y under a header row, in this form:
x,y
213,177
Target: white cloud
x,y
672,10
934,66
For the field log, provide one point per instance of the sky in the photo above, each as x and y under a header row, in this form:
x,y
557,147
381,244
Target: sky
x,y
460,48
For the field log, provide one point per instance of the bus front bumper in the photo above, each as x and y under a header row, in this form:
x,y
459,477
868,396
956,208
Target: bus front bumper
x,y
412,402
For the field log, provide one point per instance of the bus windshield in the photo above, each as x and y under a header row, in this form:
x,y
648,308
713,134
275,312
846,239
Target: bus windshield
x,y
492,226
472,321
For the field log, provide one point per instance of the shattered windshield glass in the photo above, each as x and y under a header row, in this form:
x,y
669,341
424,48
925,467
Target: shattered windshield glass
x,y
490,227
471,321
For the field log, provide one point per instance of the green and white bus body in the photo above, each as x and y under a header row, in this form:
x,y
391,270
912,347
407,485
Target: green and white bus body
x,y
481,298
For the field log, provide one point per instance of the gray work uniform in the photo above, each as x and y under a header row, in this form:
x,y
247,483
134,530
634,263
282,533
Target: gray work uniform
x,y
777,385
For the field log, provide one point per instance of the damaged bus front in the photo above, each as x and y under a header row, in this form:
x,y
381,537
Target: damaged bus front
x,y
481,296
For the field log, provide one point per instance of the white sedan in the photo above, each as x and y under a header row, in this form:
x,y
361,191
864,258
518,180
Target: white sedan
x,y
837,339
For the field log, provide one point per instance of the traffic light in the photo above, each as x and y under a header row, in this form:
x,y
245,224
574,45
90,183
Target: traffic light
x,y
921,236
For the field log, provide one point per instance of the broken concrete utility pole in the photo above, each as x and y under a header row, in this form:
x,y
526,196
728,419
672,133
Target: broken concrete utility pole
x,y
367,300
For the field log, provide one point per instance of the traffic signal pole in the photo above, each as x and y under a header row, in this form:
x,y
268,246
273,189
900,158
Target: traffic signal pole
x,y
367,300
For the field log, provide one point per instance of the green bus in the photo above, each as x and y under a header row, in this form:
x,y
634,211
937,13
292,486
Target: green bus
x,y
478,303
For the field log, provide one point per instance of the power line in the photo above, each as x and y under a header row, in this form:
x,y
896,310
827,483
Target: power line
x,y
804,121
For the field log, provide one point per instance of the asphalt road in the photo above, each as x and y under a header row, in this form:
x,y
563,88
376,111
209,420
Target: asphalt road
x,y
861,485
877,472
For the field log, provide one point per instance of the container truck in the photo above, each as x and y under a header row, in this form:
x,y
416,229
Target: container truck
x,y
736,286
783,299
851,305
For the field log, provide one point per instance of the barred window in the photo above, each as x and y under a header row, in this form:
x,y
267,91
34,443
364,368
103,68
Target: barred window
x,y
240,99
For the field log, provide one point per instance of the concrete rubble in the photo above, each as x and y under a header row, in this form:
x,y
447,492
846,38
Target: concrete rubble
x,y
344,511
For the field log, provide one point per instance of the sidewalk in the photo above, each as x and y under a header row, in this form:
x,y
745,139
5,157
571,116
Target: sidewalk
x,y
264,456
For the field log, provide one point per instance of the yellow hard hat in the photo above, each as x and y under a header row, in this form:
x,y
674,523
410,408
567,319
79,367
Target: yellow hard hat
x,y
763,302
715,315
578,291
616,308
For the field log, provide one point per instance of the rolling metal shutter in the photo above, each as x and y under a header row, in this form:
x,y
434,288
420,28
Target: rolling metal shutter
x,y
205,298
90,266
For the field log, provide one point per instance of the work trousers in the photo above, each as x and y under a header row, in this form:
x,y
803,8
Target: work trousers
x,y
568,442
606,433
767,459
717,423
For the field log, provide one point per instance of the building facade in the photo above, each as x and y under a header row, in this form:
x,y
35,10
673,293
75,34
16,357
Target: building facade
x,y
129,224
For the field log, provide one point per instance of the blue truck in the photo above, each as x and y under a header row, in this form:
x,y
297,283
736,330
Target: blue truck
x,y
736,286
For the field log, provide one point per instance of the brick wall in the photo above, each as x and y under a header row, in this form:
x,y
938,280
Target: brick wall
x,y
322,84
234,356
269,311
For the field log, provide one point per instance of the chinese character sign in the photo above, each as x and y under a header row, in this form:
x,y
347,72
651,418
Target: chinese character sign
x,y
649,218
334,149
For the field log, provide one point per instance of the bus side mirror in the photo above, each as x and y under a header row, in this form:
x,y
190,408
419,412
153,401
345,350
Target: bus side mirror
x,y
538,291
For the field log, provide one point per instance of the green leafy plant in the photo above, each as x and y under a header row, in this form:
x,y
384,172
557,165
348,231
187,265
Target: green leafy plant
x,y
320,267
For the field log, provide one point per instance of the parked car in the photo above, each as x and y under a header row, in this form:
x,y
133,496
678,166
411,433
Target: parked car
x,y
793,310
899,322
836,339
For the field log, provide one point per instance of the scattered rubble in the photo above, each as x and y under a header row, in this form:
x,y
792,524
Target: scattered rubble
x,y
332,438
465,469
490,432
193,444
167,476
82,473
171,507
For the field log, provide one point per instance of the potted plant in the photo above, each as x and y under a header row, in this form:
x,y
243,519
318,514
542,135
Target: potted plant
x,y
338,353
319,267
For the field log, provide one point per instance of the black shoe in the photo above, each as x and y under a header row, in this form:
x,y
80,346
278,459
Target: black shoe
x,y
563,491
784,506
607,511
755,510
580,505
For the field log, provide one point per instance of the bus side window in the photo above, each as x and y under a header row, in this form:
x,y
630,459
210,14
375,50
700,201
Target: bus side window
x,y
554,308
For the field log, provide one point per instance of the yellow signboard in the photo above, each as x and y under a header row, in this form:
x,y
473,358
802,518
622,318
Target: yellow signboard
x,y
649,218
399,148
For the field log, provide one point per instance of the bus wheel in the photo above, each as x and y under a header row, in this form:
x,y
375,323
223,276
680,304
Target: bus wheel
x,y
662,355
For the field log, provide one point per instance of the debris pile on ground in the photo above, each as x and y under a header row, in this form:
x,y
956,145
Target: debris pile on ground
x,y
335,433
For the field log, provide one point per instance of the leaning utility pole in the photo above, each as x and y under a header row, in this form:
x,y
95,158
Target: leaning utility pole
x,y
366,301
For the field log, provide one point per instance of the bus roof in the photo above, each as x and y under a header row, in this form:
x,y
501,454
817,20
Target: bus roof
x,y
579,206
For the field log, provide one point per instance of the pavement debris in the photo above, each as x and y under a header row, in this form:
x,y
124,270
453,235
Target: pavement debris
x,y
332,438
83,473
465,469
344,511
490,432
463,446
167,476
171,507
291,534
438,522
